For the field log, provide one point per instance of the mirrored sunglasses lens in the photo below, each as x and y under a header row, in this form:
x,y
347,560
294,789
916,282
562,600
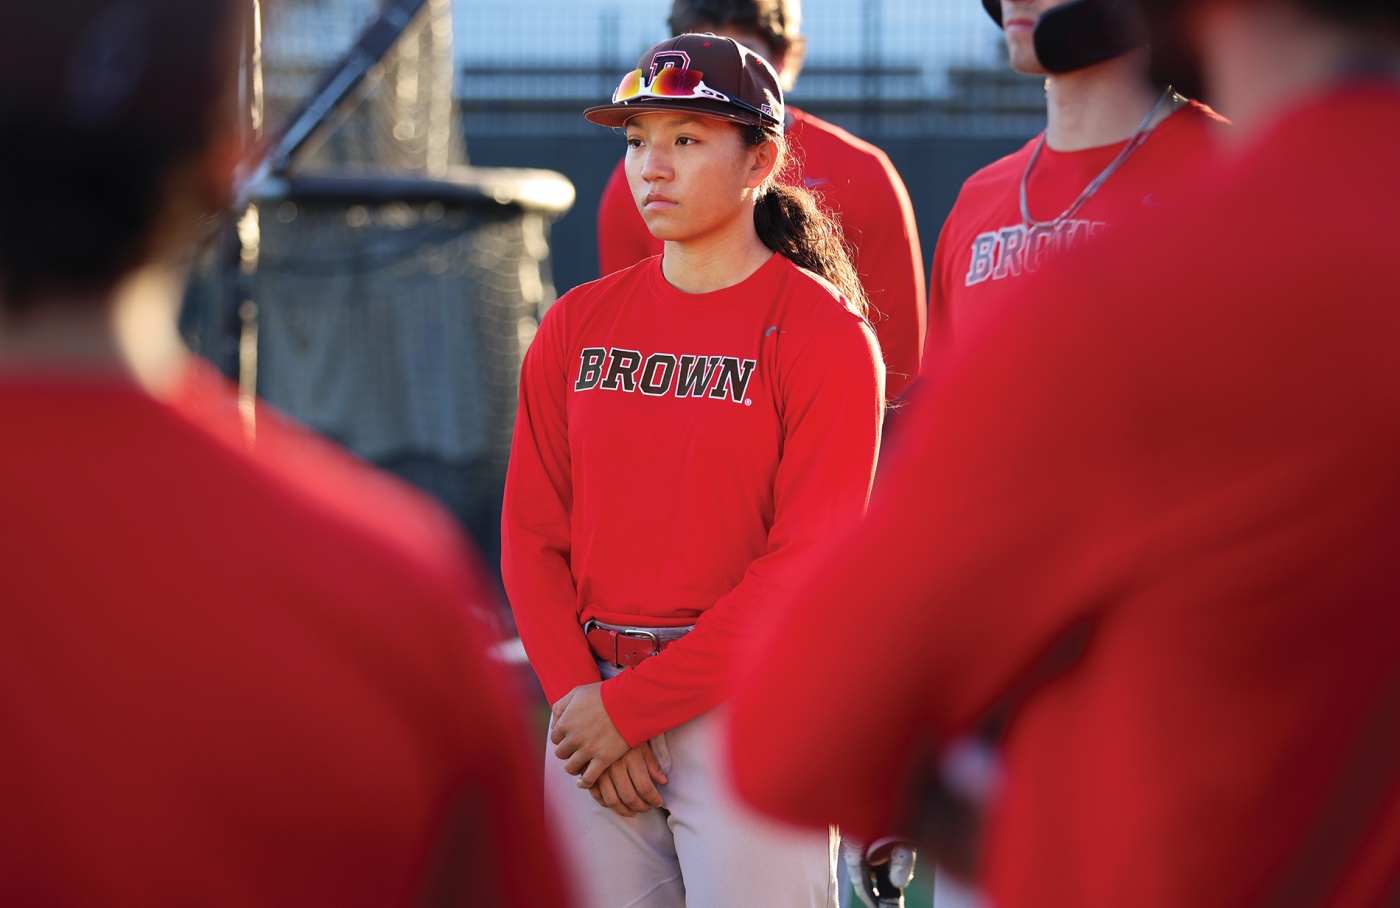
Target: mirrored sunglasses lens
x,y
676,83
629,87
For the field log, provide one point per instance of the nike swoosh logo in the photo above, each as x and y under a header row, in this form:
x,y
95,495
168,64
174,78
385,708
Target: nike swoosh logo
x,y
814,182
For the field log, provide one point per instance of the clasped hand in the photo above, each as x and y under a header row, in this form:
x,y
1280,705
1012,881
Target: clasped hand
x,y
620,778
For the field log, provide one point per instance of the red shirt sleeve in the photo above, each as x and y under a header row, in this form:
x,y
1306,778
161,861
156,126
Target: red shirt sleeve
x,y
623,238
492,840
856,182
535,527
833,394
895,603
940,323
880,226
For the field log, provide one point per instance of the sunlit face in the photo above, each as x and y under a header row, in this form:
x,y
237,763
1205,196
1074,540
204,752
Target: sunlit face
x,y
1018,19
691,176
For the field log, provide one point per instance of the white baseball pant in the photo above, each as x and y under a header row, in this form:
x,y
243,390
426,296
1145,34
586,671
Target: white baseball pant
x,y
705,849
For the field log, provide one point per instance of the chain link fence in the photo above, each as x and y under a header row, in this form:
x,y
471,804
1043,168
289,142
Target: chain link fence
x,y
881,67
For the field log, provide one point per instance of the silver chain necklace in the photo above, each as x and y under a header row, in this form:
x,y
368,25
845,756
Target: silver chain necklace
x,y
1138,138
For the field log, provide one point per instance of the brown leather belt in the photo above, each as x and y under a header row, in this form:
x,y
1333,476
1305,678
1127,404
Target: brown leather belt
x,y
623,647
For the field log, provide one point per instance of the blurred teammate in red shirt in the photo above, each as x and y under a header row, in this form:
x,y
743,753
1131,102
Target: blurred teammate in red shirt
x,y
236,667
1152,515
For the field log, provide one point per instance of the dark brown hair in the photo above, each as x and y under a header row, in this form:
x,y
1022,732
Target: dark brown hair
x,y
87,156
790,222
778,21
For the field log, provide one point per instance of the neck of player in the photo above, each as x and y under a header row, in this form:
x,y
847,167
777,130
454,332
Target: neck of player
x,y
1260,59
1100,104
713,262
126,335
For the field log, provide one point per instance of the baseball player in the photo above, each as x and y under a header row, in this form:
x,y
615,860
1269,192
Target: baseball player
x,y
235,668
1165,508
689,428
850,178
1114,141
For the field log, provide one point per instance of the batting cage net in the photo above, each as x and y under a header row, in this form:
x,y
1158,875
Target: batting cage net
x,y
406,122
377,288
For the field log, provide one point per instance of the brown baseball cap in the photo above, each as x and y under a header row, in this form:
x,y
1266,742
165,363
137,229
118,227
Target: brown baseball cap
x,y
704,74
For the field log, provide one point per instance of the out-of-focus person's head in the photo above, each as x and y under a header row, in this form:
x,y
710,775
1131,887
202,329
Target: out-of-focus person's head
x,y
1177,48
770,28
1052,37
110,114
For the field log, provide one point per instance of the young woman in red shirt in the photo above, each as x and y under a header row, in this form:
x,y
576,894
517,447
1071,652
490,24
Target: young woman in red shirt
x,y
688,429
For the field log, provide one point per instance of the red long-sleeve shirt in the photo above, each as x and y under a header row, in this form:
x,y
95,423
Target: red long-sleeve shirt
x,y
853,180
1183,442
241,669
674,454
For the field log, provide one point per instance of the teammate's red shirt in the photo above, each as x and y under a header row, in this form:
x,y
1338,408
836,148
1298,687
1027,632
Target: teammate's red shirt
x,y
1185,449
674,453
854,180
240,677
985,247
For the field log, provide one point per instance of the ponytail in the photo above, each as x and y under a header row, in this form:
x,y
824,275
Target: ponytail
x,y
790,223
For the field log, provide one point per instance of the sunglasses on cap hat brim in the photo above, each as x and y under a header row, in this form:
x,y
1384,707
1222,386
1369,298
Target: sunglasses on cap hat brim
x,y
675,89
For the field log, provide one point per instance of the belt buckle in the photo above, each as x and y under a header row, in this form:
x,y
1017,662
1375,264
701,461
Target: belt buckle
x,y
632,633
636,634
